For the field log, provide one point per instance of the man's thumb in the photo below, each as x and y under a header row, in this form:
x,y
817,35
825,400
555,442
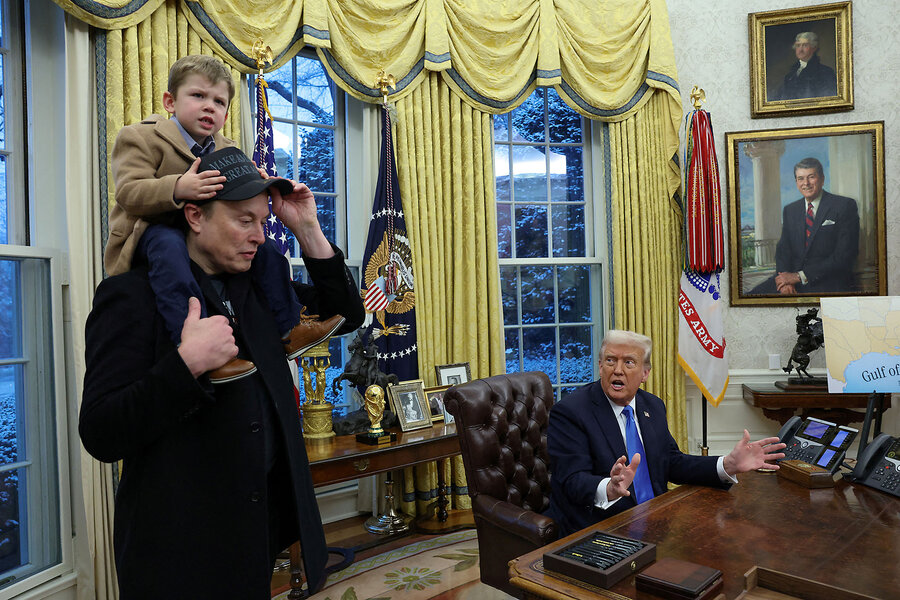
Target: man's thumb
x,y
193,310
194,165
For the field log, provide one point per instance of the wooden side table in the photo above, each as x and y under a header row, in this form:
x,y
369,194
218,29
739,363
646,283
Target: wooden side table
x,y
780,404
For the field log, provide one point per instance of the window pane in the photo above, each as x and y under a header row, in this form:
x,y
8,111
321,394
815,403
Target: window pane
x,y
4,205
10,440
10,310
327,216
512,351
529,174
2,106
501,128
316,167
566,174
531,231
501,173
315,94
575,355
568,230
539,349
565,123
504,230
528,118
278,94
284,149
509,291
11,546
574,284
537,295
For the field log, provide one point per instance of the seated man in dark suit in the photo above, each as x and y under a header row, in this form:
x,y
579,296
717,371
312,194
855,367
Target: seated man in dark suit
x,y
819,239
593,430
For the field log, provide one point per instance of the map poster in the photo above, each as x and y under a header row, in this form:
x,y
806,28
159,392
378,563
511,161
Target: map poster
x,y
862,344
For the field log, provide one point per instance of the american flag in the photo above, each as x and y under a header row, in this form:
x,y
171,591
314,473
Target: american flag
x,y
264,157
389,296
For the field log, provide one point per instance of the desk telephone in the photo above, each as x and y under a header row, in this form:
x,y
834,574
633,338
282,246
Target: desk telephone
x,y
817,442
878,465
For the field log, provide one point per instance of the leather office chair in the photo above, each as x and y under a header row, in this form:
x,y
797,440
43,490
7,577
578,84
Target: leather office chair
x,y
501,422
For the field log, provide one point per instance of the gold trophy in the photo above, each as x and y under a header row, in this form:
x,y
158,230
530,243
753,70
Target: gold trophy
x,y
374,401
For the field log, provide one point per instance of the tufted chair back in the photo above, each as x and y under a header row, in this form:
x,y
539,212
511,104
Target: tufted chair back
x,y
501,422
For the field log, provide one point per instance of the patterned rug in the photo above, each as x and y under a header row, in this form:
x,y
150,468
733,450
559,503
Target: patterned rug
x,y
431,568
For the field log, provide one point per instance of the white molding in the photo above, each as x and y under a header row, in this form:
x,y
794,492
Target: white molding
x,y
338,502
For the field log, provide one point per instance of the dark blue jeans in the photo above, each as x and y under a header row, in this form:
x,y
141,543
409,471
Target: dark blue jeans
x,y
171,279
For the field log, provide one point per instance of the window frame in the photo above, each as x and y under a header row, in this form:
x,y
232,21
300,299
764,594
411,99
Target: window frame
x,y
595,257
53,385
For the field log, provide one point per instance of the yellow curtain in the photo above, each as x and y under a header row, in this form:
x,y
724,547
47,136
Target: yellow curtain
x,y
445,166
646,243
137,70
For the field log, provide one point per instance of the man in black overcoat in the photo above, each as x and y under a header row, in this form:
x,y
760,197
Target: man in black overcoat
x,y
216,479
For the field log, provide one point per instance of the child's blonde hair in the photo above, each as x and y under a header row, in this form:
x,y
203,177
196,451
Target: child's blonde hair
x,y
209,66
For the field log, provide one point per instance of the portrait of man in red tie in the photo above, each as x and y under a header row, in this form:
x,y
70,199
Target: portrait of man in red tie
x,y
819,239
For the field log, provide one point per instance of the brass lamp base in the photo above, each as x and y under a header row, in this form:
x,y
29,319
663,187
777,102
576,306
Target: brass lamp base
x,y
390,521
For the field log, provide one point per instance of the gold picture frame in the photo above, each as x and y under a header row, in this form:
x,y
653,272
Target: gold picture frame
x,y
453,374
780,39
435,396
763,193
409,403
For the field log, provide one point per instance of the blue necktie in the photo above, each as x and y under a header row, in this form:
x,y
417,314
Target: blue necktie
x,y
643,489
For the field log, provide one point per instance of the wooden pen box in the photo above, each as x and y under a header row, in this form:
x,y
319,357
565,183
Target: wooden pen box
x,y
600,558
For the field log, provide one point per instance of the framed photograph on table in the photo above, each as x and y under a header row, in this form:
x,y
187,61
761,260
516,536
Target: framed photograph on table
x,y
801,60
807,213
435,397
453,374
409,403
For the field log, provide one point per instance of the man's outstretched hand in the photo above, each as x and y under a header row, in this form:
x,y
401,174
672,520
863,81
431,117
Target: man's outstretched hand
x,y
748,456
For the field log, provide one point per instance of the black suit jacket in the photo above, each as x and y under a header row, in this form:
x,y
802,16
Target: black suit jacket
x,y
209,471
829,260
584,441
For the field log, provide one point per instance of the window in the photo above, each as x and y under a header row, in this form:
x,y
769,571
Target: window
x,y
35,528
549,270
308,126
30,523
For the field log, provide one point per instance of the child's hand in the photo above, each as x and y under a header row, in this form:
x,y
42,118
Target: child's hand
x,y
194,186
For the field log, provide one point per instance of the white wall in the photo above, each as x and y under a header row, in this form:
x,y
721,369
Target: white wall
x,y
711,42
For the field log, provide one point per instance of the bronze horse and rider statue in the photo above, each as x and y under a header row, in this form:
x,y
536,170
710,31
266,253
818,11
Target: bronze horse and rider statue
x,y
810,337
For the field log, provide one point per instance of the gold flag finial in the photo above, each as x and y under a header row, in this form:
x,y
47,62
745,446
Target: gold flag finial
x,y
262,54
384,81
698,97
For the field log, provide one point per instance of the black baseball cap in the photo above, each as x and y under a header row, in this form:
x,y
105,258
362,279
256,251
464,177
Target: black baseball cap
x,y
242,179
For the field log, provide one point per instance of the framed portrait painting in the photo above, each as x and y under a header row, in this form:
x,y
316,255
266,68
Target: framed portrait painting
x,y
801,60
409,403
806,213
453,374
435,397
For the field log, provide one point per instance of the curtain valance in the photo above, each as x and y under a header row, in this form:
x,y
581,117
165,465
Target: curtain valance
x,y
604,58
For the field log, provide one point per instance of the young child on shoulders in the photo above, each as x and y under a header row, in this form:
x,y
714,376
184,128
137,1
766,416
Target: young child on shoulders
x,y
155,169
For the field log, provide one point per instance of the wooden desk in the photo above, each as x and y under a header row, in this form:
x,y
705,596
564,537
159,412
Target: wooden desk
x,y
847,536
342,458
780,405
